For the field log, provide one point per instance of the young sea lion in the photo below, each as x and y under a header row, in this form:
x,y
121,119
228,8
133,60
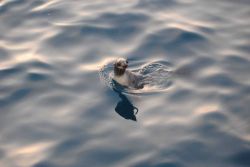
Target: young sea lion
x,y
126,77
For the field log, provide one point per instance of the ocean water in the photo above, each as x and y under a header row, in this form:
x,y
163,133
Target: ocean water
x,y
56,110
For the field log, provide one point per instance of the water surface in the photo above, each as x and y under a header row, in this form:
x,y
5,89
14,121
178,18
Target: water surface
x,y
56,112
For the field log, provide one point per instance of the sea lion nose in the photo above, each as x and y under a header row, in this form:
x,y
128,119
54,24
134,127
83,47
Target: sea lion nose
x,y
125,65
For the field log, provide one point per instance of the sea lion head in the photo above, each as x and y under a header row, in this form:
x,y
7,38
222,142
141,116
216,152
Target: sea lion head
x,y
120,66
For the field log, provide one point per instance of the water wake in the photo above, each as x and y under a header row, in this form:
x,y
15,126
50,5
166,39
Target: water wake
x,y
157,77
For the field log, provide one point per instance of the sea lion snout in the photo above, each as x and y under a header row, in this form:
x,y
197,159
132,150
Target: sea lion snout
x,y
121,63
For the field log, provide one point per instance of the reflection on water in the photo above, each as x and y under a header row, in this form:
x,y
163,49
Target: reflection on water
x,y
125,108
56,112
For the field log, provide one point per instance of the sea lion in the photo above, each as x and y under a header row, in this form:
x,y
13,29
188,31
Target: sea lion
x,y
126,77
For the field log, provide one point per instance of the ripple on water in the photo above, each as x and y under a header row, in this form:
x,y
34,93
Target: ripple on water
x,y
241,158
195,66
156,4
23,67
75,36
16,96
235,65
220,80
216,116
124,19
37,77
39,65
8,5
3,54
171,40
180,95
10,72
118,33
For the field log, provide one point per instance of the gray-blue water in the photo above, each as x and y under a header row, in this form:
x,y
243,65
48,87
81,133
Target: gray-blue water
x,y
56,110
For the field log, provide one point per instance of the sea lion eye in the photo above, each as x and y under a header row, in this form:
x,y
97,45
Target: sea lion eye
x,y
118,64
127,61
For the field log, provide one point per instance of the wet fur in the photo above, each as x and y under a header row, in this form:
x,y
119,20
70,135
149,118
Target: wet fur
x,y
118,71
126,77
